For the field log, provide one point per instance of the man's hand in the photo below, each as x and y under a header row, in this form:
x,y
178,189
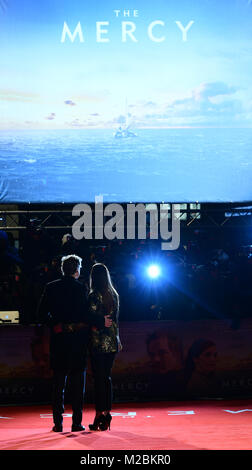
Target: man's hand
x,y
108,321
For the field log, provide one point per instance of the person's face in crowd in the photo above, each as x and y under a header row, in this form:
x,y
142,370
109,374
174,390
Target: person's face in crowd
x,y
163,359
207,360
77,273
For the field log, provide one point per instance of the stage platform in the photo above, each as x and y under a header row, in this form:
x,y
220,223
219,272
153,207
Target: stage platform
x,y
194,425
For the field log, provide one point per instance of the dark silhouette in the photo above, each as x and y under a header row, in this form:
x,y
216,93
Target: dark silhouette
x,y
63,306
103,299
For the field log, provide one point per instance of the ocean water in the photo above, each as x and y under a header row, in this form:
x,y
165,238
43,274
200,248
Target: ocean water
x,y
174,165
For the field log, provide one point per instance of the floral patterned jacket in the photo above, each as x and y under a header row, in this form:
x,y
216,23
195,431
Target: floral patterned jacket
x,y
104,340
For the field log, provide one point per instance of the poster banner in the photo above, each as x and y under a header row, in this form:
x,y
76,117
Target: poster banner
x,y
133,101
159,361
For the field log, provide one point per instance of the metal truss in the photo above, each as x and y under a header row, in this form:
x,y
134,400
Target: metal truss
x,y
60,217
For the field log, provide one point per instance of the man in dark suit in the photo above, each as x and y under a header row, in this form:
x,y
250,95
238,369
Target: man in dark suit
x,y
63,307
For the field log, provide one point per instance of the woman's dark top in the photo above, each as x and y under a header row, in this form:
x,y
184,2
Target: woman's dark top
x,y
104,340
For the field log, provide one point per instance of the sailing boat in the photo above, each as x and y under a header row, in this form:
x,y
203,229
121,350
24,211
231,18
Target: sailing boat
x,y
124,131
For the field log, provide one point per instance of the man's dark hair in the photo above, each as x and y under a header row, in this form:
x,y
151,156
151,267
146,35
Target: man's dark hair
x,y
70,264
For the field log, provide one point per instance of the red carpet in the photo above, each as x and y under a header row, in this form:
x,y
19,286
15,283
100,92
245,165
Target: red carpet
x,y
211,425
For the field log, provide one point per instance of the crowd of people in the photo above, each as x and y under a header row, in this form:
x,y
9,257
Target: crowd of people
x,y
206,277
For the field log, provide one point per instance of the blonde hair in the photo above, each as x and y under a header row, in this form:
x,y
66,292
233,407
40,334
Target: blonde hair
x,y
100,279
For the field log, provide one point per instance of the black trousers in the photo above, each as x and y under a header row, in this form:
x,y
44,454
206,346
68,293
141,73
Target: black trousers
x,y
77,381
101,368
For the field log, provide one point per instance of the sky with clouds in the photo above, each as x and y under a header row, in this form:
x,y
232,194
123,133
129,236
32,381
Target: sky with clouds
x,y
202,82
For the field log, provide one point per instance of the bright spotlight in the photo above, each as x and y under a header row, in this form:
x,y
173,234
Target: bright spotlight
x,y
153,271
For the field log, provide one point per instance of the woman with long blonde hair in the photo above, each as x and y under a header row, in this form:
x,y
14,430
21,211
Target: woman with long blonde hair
x,y
103,300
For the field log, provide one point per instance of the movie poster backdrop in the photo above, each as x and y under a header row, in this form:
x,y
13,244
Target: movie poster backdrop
x,y
136,101
169,360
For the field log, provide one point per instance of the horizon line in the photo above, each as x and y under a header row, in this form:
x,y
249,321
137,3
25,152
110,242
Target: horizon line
x,y
114,128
